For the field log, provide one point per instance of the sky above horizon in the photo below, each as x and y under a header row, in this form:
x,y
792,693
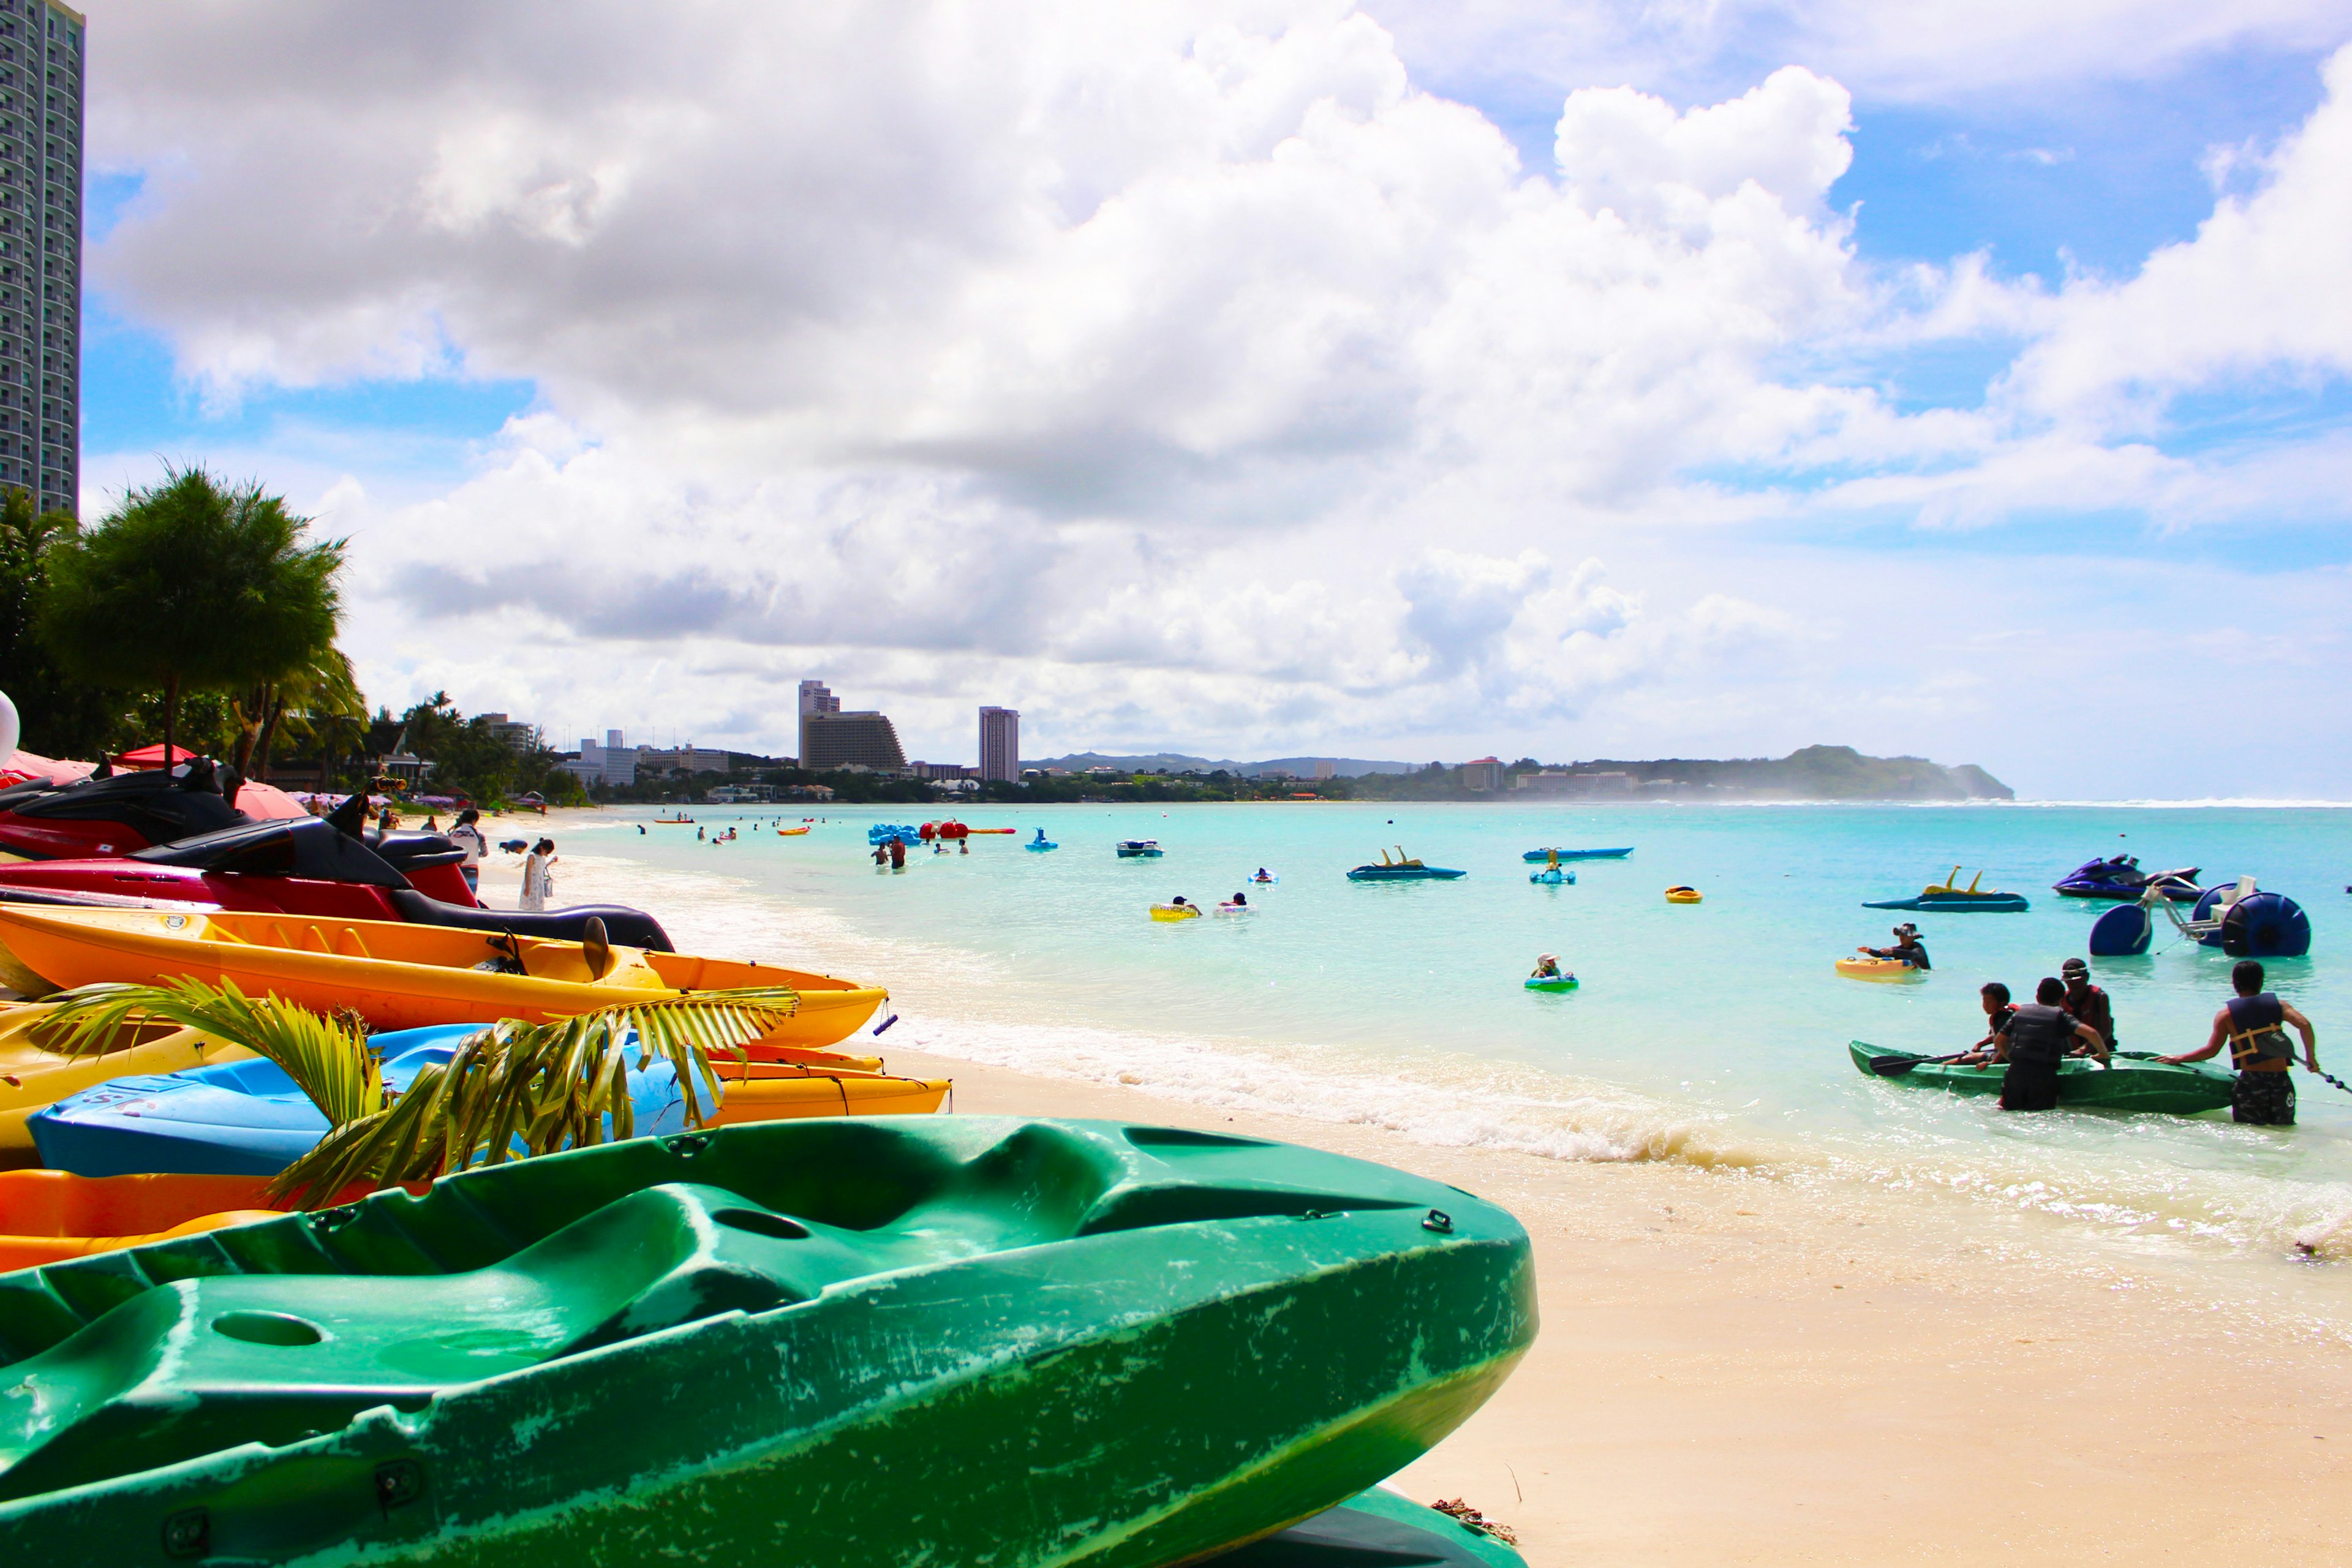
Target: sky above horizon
x,y
1687,377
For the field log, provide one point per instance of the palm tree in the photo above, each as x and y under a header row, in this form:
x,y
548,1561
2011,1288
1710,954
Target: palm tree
x,y
513,1091
192,584
324,689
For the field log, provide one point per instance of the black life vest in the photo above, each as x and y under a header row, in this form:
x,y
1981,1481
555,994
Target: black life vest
x,y
2257,1035
2040,1036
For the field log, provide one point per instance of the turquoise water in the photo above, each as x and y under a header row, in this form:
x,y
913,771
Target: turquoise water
x,y
1713,1033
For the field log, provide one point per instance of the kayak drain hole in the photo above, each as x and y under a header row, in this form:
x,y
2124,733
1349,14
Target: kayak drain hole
x,y
267,1329
759,1222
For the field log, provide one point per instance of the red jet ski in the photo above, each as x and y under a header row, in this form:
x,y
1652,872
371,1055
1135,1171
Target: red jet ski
x,y
312,866
116,814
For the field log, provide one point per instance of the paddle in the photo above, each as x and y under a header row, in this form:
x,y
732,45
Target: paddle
x,y
1895,1067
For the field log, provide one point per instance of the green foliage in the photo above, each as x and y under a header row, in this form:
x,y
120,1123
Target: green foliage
x,y
327,1058
190,584
471,759
543,1086
62,718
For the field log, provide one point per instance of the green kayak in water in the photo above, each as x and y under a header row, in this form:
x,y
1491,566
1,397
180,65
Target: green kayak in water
x,y
938,1340
2137,1080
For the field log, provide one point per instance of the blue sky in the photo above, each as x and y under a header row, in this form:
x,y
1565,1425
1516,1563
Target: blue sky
x,y
421,389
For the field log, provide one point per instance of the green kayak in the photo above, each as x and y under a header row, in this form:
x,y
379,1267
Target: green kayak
x,y
1377,1529
898,1340
2136,1081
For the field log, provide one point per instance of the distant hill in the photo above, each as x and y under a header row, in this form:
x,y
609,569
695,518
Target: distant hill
x,y
1178,762
1815,773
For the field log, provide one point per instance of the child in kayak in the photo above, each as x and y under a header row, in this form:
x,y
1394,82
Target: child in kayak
x,y
1998,1013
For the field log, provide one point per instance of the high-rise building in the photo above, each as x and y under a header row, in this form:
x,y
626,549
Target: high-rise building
x,y
41,48
1000,744
815,697
864,740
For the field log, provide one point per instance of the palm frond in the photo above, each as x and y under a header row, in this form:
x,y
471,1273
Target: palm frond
x,y
327,1058
517,1089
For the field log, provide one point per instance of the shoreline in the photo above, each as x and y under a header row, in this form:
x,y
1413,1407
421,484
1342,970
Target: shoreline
x,y
1713,1385
1742,1365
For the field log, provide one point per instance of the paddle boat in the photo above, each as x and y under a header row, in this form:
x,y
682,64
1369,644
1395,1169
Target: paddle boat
x,y
1553,874
347,1386
1041,843
1862,967
248,1118
1949,897
2135,1080
1679,894
399,977
2239,918
2119,877
1403,868
1139,848
1533,856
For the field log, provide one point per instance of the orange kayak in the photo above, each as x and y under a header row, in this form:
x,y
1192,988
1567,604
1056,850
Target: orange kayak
x,y
400,976
46,1217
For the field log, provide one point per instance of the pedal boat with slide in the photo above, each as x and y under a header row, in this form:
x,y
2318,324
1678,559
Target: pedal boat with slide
x,y
2136,1081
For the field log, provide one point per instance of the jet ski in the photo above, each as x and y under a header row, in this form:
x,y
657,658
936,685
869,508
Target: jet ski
x,y
312,866
118,814
2120,878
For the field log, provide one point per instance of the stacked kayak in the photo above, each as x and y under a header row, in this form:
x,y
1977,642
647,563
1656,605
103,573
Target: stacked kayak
x,y
31,1078
402,976
2136,1081
248,1118
46,1217
1375,1529
859,1313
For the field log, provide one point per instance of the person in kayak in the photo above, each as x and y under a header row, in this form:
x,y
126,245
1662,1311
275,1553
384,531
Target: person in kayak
x,y
2252,1025
1998,1013
2040,1034
1908,947
2086,1000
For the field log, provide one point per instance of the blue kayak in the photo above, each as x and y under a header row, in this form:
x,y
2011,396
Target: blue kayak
x,y
247,1118
1402,874
1532,855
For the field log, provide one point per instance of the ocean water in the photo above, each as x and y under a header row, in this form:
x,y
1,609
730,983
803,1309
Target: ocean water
x,y
1713,1034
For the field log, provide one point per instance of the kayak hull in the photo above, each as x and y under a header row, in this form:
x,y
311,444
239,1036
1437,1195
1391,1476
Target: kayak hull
x,y
2135,1084
1957,903
32,1079
399,977
1537,857
48,1217
1376,1529
1404,874
1882,969
857,1349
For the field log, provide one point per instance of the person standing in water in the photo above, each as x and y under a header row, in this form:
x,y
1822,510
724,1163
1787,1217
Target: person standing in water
x,y
2039,1036
2086,1000
2252,1025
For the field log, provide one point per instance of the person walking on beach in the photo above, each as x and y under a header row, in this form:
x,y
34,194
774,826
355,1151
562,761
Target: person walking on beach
x,y
538,876
2087,1002
2039,1036
2252,1025
466,833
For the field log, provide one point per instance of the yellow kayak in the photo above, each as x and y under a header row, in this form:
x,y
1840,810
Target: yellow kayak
x,y
1879,969
401,976
1175,911
32,1079
779,1091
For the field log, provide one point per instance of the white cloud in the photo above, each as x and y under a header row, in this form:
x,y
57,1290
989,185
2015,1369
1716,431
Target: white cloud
x,y
1170,371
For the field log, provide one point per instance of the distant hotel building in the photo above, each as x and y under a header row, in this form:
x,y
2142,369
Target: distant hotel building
x,y
832,739
610,764
41,47
1000,744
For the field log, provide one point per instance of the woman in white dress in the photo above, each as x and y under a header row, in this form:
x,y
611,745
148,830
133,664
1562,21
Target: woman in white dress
x,y
538,876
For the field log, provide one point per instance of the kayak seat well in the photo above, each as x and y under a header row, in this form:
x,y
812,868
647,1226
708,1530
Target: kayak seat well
x,y
269,1333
